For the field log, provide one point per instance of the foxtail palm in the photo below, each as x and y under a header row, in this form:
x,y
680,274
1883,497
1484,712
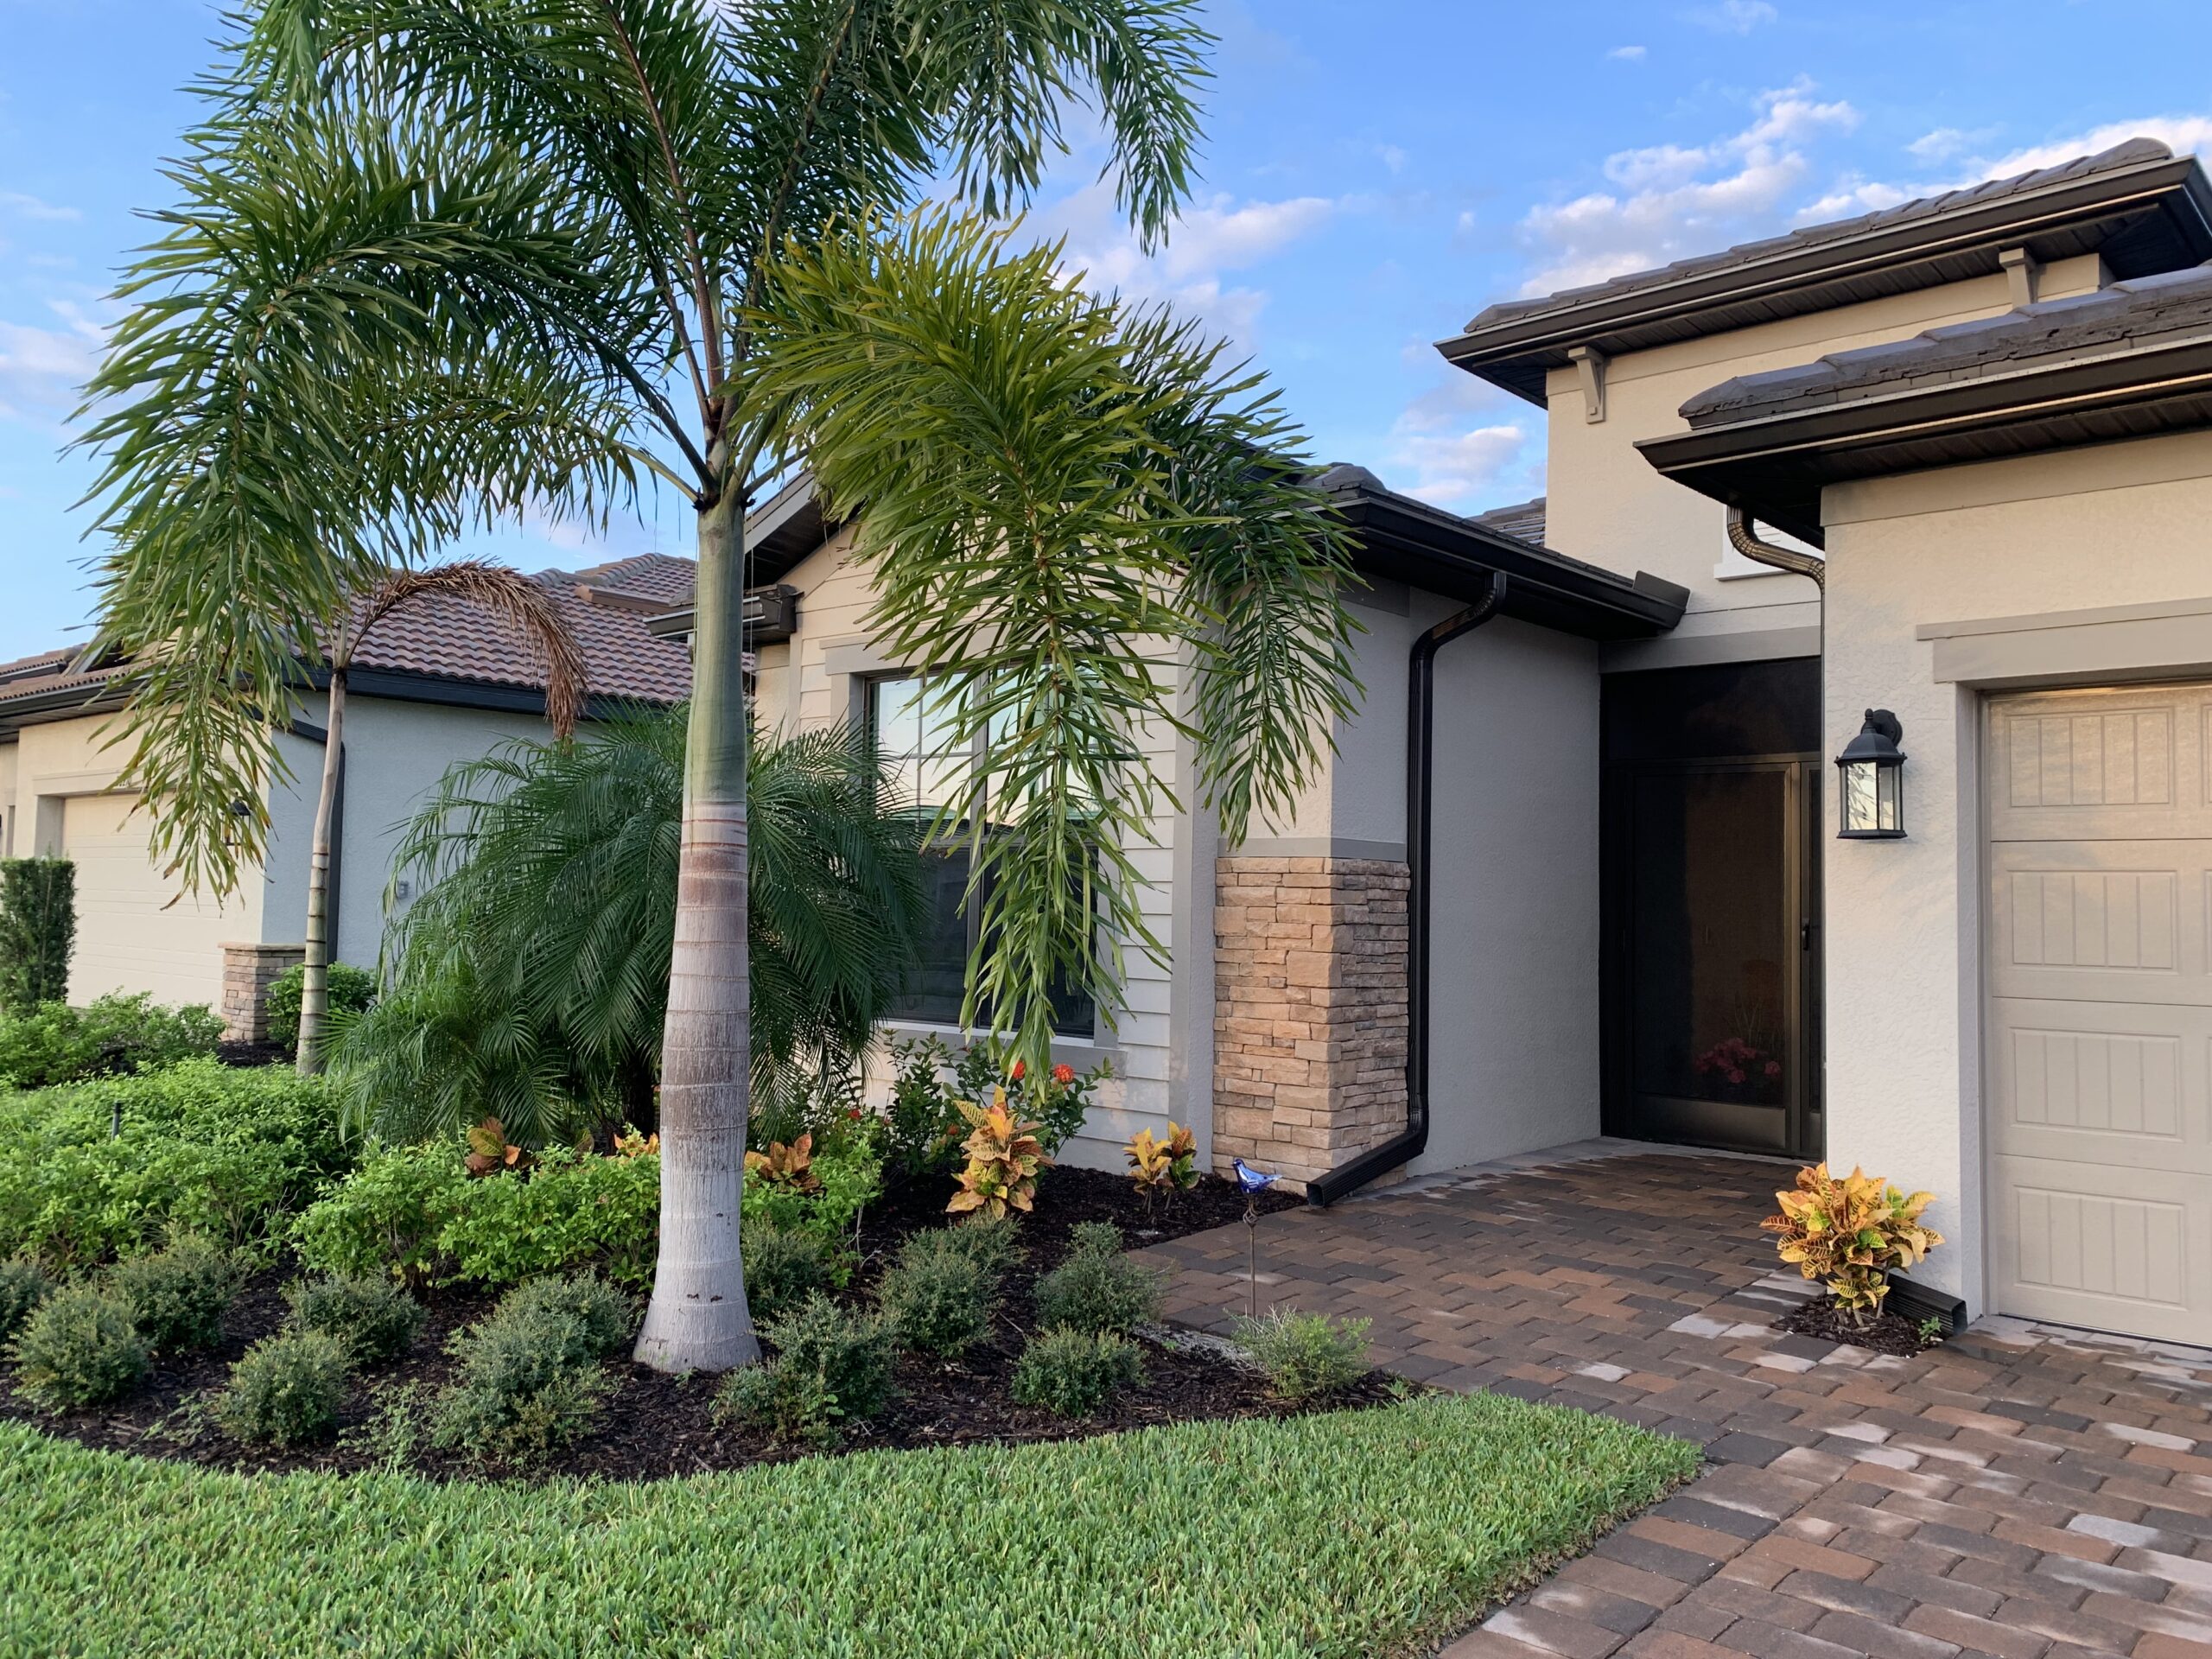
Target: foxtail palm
x,y
639,207
525,607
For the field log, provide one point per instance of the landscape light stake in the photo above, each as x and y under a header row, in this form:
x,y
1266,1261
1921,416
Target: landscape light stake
x,y
1255,1182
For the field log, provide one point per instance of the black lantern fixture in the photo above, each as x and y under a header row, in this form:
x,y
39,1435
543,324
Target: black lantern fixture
x,y
1871,791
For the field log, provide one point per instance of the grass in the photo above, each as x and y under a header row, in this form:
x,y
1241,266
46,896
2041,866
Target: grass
x,y
1348,1533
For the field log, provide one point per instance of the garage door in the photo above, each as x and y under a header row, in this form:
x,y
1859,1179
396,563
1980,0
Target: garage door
x,y
2100,1031
129,937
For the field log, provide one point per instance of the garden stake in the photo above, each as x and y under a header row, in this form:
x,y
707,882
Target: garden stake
x,y
1255,1182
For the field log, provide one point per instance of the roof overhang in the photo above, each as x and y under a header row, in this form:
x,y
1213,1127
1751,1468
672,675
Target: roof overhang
x,y
1401,539
2142,218
1775,467
786,528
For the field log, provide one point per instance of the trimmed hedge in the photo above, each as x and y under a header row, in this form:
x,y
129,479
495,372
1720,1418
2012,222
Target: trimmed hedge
x,y
1336,1534
114,1035
415,1213
202,1148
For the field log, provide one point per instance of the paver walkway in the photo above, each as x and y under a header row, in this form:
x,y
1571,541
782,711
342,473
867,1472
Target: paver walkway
x,y
2020,1491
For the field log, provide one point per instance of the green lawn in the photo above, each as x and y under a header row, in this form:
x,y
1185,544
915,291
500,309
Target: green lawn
x,y
1354,1532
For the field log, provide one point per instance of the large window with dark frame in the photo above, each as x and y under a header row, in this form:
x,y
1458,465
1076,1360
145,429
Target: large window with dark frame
x,y
930,767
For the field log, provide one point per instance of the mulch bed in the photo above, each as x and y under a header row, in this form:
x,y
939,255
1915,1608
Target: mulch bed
x,y
655,1425
1885,1333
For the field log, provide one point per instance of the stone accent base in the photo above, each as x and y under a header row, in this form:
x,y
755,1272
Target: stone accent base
x,y
248,972
1309,1011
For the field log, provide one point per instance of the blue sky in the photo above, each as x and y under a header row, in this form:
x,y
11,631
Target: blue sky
x,y
1375,173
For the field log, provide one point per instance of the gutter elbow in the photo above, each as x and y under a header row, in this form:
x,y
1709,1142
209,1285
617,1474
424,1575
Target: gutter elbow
x,y
1743,538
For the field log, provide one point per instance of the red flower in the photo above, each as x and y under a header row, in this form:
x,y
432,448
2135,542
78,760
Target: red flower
x,y
853,1112
1773,1068
1020,1066
1064,1075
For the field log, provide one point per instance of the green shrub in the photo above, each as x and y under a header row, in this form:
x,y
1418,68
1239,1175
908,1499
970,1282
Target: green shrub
x,y
375,1320
1095,1238
567,1212
831,1366
352,990
1072,1373
922,1129
38,930
178,1296
1098,1293
287,1391
529,1379
386,1216
202,1148
781,1269
23,1286
1306,1355
117,1035
788,1403
80,1348
992,1243
603,1319
938,1299
414,1212
851,1174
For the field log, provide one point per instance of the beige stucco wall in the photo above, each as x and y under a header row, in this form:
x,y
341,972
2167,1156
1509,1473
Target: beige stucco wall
x,y
1608,506
165,942
2113,526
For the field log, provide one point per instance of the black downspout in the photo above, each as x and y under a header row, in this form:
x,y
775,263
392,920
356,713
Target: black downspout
x,y
1421,752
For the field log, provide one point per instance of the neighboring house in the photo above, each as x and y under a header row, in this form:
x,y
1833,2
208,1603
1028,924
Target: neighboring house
x,y
1993,412
438,681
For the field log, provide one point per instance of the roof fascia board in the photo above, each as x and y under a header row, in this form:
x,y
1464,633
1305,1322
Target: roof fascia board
x,y
1816,444
1595,604
2157,184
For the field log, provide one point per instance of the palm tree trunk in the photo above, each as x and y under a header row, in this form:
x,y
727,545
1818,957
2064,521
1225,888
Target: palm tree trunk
x,y
698,1319
315,988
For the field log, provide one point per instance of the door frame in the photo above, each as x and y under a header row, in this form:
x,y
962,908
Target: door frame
x,y
1804,1114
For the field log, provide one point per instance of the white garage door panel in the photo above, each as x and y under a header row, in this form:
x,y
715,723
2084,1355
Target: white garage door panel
x,y
130,936
2099,1033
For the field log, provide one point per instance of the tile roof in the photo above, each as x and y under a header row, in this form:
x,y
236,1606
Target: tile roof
x,y
1812,236
2126,317
1523,520
605,606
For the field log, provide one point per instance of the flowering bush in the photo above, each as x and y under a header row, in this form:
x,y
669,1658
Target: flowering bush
x,y
1849,1232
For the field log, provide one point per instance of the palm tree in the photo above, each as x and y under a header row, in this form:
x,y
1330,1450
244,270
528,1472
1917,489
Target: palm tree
x,y
587,216
529,979
523,605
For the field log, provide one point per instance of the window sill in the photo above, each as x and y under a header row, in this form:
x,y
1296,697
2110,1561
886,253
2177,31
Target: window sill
x,y
1082,1052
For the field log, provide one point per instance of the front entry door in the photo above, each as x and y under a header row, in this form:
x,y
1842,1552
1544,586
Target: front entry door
x,y
1716,963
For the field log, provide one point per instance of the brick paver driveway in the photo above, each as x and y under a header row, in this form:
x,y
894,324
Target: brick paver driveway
x,y
2020,1491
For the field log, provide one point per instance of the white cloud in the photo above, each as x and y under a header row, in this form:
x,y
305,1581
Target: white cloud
x,y
1626,54
1671,200
2183,134
1732,17
42,369
31,207
1208,240
1449,446
1393,157
1855,193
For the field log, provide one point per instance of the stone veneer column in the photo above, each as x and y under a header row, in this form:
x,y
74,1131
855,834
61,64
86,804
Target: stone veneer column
x,y
1309,1010
248,972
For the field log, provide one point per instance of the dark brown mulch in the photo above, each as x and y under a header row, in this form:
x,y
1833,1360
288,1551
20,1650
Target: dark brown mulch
x,y
655,1425
247,1055
1885,1333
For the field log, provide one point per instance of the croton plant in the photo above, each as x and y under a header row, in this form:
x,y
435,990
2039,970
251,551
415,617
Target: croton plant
x,y
1004,1155
1848,1231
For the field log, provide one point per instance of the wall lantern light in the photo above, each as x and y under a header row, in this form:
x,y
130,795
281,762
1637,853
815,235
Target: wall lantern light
x,y
1872,791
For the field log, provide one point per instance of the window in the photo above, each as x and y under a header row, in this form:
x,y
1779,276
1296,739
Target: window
x,y
929,770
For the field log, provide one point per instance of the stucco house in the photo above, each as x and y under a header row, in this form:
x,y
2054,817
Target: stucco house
x,y
438,681
1581,863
